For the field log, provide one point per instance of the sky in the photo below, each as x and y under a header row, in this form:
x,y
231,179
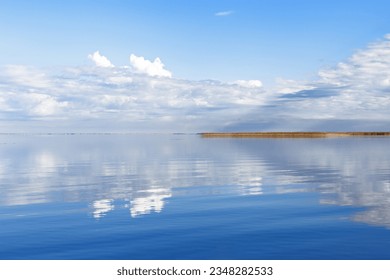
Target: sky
x,y
190,66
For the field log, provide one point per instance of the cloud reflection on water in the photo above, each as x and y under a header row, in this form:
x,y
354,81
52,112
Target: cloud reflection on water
x,y
143,172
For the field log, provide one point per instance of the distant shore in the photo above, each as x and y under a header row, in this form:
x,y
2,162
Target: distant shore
x,y
290,134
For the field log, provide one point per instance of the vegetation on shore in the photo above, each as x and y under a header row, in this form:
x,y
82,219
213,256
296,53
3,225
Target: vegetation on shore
x,y
290,134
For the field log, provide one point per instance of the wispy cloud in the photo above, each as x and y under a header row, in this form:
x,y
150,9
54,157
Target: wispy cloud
x,y
224,13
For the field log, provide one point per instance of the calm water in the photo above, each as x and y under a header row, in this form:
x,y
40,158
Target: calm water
x,y
184,197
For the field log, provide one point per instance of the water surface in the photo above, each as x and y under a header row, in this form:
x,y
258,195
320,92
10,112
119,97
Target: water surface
x,y
184,197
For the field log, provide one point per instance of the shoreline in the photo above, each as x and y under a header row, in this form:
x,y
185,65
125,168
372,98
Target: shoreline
x,y
306,134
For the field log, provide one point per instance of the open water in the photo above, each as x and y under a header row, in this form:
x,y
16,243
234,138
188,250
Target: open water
x,y
151,196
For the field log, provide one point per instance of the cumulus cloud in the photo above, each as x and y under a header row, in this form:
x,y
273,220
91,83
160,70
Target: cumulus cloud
x,y
144,66
100,60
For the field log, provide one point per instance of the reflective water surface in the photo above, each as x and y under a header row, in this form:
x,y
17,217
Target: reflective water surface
x,y
184,197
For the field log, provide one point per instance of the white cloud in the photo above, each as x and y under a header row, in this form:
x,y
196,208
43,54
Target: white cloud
x,y
290,86
100,60
24,76
223,13
358,87
153,69
44,105
120,97
249,83
367,68
120,80
353,95
141,98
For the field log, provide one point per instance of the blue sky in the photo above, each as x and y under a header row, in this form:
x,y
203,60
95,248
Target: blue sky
x,y
276,42
260,39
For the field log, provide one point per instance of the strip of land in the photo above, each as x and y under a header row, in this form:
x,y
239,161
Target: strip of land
x,y
290,134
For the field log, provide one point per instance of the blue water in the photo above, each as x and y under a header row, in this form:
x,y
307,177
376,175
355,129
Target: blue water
x,y
184,197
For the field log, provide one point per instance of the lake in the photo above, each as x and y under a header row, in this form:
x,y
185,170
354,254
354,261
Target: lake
x,y
178,196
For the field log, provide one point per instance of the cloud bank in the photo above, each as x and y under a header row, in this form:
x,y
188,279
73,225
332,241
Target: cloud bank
x,y
353,95
140,97
144,96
